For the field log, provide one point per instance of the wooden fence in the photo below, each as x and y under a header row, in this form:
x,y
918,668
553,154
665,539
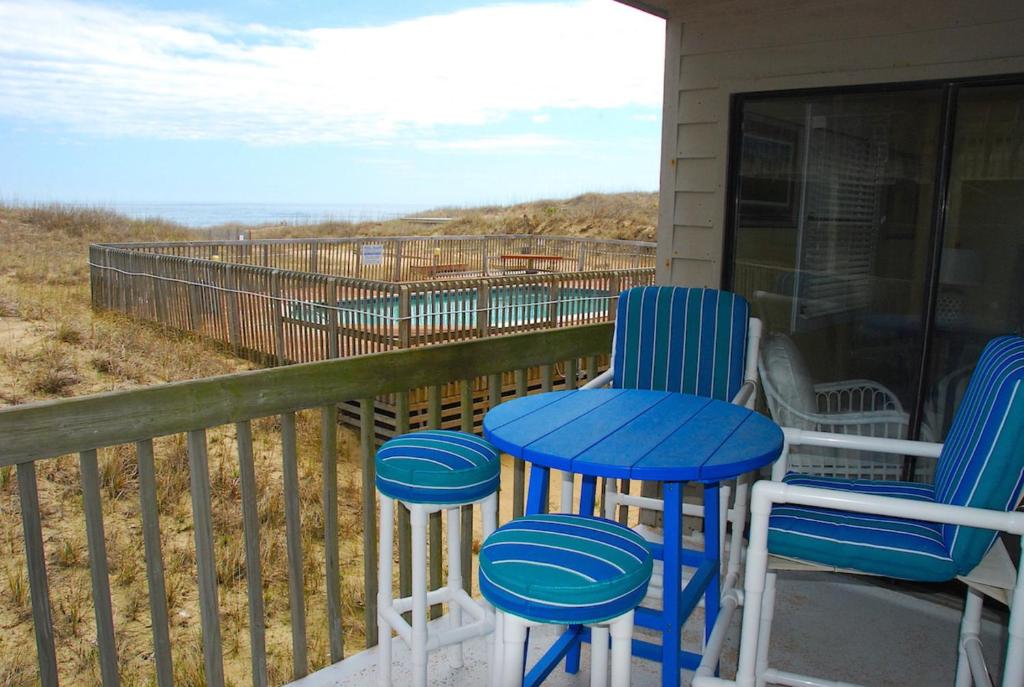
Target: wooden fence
x,y
404,258
36,433
279,316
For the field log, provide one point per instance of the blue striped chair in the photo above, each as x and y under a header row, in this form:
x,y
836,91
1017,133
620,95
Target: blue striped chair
x,y
429,472
691,340
920,532
564,569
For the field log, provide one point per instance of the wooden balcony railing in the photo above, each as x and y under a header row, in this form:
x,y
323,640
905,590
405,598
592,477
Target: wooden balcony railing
x,y
39,432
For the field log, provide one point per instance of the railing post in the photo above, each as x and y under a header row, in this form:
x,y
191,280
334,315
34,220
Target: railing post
x,y
553,293
154,563
234,326
253,570
366,438
332,319
314,263
209,605
42,618
195,313
332,559
483,309
614,287
293,542
277,305
404,317
99,571
397,274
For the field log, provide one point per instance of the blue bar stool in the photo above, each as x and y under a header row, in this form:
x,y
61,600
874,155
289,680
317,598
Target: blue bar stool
x,y
564,569
431,471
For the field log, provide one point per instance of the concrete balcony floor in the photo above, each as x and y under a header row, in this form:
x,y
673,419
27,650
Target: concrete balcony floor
x,y
838,627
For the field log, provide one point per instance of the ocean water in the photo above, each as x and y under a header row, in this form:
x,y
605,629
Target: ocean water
x,y
202,215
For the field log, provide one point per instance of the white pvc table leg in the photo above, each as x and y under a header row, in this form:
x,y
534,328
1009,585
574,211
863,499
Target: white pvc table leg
x,y
384,592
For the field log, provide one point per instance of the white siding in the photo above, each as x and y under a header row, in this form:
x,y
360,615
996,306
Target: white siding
x,y
717,49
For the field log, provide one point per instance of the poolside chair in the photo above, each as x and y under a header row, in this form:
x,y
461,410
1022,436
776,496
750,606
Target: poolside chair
x,y
691,340
902,530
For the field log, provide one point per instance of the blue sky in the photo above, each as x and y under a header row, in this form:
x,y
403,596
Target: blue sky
x,y
430,102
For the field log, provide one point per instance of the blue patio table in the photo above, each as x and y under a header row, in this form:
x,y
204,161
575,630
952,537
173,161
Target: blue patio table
x,y
635,434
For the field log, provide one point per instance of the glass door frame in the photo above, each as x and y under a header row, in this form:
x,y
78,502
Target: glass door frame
x,y
950,89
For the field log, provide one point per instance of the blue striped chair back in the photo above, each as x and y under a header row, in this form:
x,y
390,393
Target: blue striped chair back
x,y
982,461
680,339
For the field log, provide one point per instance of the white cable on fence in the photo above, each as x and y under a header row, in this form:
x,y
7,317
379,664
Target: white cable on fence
x,y
363,313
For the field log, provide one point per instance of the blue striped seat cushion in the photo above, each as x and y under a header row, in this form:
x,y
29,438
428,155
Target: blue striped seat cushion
x,y
437,466
680,339
894,547
564,569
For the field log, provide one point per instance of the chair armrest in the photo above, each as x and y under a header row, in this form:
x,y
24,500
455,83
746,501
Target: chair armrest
x,y
603,379
905,447
747,392
766,493
855,442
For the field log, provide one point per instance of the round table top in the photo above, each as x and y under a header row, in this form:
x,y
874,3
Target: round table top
x,y
635,434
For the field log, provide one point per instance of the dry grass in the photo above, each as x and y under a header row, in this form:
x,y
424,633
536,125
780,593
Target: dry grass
x,y
625,216
53,345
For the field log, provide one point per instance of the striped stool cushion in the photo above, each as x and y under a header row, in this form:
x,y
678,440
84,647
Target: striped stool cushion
x,y
564,569
906,549
437,466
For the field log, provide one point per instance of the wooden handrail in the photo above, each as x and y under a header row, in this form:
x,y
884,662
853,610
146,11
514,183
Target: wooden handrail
x,y
53,428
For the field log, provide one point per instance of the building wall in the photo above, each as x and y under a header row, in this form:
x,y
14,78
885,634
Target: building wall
x,y
717,49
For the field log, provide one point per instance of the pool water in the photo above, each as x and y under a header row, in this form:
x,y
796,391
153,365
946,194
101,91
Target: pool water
x,y
458,308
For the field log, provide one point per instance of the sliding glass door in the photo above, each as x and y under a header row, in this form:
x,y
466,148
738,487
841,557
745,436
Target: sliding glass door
x,y
981,273
880,236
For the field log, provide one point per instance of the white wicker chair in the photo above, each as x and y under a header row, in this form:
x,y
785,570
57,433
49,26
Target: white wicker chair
x,y
854,406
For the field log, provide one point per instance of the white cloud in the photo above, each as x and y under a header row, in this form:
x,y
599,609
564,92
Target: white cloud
x,y
521,143
123,72
540,119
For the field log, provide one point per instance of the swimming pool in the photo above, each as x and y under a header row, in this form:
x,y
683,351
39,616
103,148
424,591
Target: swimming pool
x,y
459,308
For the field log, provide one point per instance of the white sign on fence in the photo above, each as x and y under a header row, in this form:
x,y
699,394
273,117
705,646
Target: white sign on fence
x,y
372,254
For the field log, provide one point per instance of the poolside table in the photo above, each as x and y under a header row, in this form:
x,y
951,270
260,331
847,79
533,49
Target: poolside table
x,y
633,434
529,261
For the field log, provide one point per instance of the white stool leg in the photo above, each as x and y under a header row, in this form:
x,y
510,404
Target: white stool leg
x,y
599,656
514,640
622,649
970,625
455,576
385,596
489,511
419,595
764,636
497,651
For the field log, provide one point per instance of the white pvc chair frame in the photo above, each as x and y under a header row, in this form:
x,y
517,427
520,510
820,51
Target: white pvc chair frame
x,y
510,639
390,609
736,516
758,595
